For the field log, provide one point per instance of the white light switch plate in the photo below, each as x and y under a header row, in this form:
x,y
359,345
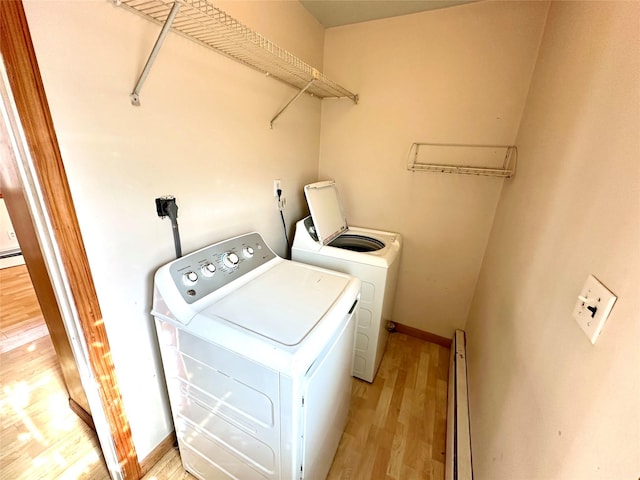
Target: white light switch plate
x,y
594,304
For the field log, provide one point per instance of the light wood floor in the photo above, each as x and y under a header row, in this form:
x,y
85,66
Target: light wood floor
x,y
396,426
40,437
20,316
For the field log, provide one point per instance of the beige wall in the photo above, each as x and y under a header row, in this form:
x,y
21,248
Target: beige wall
x,y
458,75
545,403
202,134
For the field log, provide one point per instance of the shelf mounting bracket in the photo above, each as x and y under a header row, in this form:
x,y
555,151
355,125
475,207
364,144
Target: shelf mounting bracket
x,y
304,89
135,95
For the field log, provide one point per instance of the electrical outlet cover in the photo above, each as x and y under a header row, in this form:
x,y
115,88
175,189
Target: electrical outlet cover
x,y
593,307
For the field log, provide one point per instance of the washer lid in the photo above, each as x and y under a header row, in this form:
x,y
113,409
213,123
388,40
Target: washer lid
x,y
284,303
326,210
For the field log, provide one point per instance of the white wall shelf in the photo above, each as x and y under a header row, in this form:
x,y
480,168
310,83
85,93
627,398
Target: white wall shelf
x,y
201,22
486,160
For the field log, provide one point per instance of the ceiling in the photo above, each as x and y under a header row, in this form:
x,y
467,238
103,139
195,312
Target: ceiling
x,y
332,13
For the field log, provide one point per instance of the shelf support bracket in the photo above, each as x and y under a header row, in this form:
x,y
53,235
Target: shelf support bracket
x,y
135,95
304,89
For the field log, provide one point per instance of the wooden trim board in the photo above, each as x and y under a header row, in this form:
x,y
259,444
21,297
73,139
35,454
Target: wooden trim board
x,y
157,453
81,412
422,335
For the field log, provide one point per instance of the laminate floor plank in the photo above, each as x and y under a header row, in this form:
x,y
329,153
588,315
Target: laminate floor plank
x,y
395,426
21,320
395,431
40,437
18,301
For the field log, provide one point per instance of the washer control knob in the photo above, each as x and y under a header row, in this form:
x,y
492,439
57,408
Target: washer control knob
x,y
190,278
230,260
208,269
247,252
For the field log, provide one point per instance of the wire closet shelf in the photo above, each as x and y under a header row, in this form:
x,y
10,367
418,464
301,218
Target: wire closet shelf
x,y
484,160
200,21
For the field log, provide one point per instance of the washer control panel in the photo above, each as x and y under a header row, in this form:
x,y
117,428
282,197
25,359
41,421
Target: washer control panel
x,y
201,273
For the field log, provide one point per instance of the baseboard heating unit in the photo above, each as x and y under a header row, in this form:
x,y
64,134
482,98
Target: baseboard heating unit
x,y
458,457
13,252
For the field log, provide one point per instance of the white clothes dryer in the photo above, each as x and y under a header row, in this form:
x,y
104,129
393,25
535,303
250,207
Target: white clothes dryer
x,y
257,354
325,239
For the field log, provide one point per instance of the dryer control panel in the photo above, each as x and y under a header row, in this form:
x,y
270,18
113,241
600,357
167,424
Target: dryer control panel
x,y
201,273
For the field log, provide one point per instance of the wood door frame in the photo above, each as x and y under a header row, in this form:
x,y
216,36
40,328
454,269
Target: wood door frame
x,y
32,108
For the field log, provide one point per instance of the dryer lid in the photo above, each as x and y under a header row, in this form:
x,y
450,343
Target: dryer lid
x,y
326,210
284,304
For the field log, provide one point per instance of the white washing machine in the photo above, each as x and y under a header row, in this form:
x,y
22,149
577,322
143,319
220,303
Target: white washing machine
x,y
257,354
325,239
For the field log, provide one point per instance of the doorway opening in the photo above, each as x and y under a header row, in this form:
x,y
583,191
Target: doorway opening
x,y
43,435
35,186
